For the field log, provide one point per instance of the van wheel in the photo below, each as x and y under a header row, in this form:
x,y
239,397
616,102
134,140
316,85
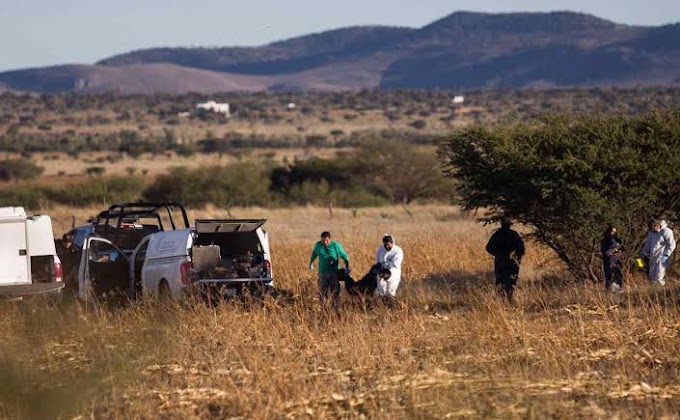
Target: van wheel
x,y
164,293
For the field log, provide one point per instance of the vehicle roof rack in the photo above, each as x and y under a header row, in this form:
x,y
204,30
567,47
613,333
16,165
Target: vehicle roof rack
x,y
140,210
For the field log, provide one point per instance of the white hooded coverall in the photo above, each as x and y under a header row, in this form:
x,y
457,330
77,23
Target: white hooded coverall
x,y
658,247
391,259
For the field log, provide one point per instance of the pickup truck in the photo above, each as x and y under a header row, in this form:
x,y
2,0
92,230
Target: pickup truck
x,y
215,258
149,249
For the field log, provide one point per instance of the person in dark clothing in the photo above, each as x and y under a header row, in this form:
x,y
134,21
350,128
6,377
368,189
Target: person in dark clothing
x,y
611,248
69,258
368,283
507,248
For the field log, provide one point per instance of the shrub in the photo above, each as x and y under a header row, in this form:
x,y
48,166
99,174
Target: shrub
x,y
98,190
95,170
403,173
419,124
94,191
239,184
22,196
19,169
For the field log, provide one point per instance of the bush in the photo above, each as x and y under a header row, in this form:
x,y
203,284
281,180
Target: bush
x,y
32,198
569,176
98,190
95,170
322,194
19,169
239,184
94,191
403,173
387,171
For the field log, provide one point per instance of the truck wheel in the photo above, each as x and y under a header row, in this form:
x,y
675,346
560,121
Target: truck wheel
x,y
164,293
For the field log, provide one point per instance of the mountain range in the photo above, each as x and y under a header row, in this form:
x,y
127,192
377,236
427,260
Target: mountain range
x,y
463,51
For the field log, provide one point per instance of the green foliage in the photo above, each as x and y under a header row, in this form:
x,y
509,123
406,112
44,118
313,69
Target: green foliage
x,y
19,169
322,194
239,184
97,191
24,196
402,172
569,176
93,191
380,171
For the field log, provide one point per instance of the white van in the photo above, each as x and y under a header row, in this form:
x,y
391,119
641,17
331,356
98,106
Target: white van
x,y
28,258
215,257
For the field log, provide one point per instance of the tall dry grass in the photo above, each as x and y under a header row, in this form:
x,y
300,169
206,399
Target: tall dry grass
x,y
453,348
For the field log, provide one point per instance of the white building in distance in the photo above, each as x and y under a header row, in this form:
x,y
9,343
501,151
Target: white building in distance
x,y
458,100
212,106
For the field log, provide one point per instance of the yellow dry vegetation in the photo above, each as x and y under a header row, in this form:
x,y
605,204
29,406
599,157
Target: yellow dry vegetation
x,y
60,164
451,349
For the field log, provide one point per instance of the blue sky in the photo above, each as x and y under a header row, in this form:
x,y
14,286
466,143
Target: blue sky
x,y
46,32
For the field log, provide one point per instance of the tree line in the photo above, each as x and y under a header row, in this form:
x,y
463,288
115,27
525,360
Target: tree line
x,y
378,172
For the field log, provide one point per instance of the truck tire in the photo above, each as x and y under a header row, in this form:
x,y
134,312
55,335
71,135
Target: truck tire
x,y
164,292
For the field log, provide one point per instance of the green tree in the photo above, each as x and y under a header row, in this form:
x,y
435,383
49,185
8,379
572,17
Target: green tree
x,y
569,176
238,184
403,172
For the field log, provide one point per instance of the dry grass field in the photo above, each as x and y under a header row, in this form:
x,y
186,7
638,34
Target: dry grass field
x,y
60,164
452,349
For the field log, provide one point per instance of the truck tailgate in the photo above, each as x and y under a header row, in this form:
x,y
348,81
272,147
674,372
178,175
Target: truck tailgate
x,y
29,289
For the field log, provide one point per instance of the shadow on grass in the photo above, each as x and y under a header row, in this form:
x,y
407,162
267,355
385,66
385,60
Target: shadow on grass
x,y
458,280
452,290
463,290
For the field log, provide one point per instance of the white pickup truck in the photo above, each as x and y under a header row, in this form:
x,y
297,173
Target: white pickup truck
x,y
151,250
28,259
216,258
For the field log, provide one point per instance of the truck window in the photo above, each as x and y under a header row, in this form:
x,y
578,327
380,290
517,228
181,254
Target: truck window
x,y
102,252
42,268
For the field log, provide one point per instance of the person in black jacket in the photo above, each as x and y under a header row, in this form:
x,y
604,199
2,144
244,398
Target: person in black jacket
x,y
611,248
507,248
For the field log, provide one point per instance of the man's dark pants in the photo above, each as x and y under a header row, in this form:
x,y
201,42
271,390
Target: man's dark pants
x,y
612,273
507,272
329,287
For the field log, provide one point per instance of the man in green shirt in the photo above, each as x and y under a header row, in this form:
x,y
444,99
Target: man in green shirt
x,y
329,252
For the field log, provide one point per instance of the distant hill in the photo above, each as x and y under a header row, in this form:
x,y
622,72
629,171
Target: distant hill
x,y
463,51
285,57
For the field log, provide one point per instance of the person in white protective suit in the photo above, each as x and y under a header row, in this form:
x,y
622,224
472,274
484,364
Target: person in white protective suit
x,y
659,246
389,256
